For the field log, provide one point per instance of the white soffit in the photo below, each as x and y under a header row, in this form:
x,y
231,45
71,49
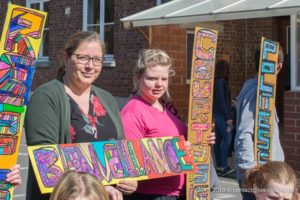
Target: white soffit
x,y
189,11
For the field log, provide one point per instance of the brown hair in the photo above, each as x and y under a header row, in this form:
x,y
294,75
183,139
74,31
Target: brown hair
x,y
277,171
73,43
78,184
150,58
257,57
222,69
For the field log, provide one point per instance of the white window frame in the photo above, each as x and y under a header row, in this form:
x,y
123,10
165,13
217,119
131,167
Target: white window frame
x,y
294,53
41,59
109,59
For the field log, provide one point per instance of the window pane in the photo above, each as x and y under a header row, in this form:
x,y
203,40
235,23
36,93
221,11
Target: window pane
x,y
189,53
94,28
165,1
46,9
46,43
298,51
35,6
109,39
109,11
93,12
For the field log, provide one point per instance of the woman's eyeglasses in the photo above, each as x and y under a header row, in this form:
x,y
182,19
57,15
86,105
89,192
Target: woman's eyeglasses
x,y
85,59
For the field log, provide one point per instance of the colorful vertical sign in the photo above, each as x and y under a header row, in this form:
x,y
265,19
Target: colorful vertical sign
x,y
112,161
265,106
19,47
200,111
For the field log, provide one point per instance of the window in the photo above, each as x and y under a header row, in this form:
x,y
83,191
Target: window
x,y
189,53
98,15
44,48
158,2
295,52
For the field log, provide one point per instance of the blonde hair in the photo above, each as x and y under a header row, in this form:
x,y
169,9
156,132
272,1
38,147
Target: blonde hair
x,y
73,43
78,184
149,58
261,175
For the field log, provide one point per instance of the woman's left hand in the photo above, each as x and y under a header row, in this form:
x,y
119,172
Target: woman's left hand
x,y
127,187
14,176
211,139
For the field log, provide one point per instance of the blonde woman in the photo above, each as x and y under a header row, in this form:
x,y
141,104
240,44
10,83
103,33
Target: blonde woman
x,y
274,180
147,115
78,186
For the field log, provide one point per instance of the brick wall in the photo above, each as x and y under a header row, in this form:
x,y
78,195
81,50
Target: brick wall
x,y
291,136
238,40
60,28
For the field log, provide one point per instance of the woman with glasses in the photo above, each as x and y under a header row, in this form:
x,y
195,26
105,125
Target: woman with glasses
x,y
70,109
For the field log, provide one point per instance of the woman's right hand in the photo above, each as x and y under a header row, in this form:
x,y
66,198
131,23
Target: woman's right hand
x,y
14,176
113,193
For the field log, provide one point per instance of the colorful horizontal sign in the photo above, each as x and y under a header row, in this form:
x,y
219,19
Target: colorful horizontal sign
x,y
112,161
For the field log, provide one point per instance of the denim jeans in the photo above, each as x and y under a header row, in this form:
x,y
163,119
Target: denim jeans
x,y
223,140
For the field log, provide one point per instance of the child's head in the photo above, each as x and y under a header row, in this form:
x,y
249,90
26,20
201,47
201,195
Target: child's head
x,y
78,186
273,180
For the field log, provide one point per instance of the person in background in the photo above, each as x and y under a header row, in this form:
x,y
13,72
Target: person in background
x,y
274,180
70,109
147,114
244,141
78,186
223,118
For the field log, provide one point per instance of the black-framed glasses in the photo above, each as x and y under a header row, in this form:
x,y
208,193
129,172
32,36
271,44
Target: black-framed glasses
x,y
85,59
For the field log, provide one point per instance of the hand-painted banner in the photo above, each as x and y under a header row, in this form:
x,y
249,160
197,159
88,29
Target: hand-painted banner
x,y
111,161
19,47
265,106
200,111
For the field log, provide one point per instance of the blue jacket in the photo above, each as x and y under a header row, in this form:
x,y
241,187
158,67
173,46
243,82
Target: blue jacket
x,y
244,147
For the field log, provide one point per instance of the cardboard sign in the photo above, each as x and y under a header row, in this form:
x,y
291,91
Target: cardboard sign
x,y
112,161
265,101
19,47
200,111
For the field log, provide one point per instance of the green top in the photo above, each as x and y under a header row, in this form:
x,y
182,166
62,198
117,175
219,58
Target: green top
x,y
47,121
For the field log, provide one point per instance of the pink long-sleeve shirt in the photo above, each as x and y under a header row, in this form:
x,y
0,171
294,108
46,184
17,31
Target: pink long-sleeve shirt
x,y
141,120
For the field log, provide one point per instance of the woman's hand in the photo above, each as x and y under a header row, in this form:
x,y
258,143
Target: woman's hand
x,y
127,187
14,176
211,139
113,193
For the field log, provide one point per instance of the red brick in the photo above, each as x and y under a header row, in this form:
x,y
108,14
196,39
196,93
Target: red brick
x,y
297,122
292,129
289,122
292,115
297,136
289,150
298,109
290,108
289,136
289,95
292,102
298,95
293,143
